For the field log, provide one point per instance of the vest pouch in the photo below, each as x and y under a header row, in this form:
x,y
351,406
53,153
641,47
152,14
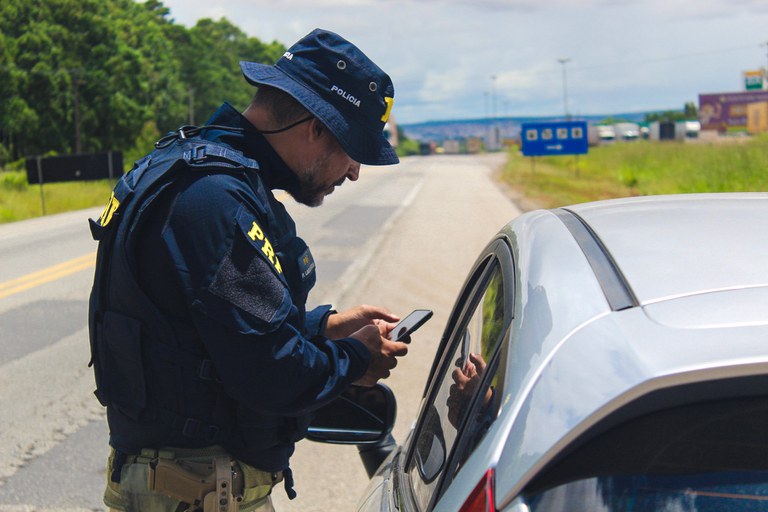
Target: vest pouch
x,y
122,370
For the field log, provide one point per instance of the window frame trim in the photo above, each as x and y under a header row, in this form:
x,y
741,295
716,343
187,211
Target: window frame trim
x,y
497,254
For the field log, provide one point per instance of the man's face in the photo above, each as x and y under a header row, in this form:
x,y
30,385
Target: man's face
x,y
326,173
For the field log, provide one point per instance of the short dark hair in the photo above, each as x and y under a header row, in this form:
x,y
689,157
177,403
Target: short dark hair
x,y
283,107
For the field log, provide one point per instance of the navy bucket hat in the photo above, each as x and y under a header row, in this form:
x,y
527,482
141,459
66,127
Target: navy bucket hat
x,y
341,86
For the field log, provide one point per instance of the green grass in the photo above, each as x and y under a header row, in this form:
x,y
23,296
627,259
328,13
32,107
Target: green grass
x,y
617,170
640,168
20,201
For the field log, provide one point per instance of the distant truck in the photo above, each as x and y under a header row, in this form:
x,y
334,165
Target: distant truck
x,y
627,131
606,132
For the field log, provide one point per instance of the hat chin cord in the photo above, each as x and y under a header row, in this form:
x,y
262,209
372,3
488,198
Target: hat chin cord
x,y
286,128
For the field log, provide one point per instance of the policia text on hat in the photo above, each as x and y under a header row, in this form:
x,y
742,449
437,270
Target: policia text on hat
x,y
204,355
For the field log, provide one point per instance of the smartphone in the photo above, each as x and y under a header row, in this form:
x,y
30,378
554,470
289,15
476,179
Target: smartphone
x,y
466,341
409,324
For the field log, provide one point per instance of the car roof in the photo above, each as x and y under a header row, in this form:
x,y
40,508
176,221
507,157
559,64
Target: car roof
x,y
698,243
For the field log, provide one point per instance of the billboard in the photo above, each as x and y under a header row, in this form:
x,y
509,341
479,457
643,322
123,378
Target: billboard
x,y
754,80
727,111
82,167
554,138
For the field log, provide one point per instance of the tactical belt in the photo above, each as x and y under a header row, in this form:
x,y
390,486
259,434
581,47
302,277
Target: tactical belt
x,y
205,479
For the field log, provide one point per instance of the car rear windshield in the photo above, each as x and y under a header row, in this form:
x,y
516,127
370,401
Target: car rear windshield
x,y
707,456
704,492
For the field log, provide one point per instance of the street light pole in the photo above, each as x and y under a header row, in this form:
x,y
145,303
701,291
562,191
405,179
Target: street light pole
x,y
493,97
563,62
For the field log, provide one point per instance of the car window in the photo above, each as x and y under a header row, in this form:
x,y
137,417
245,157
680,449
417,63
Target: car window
x,y
464,379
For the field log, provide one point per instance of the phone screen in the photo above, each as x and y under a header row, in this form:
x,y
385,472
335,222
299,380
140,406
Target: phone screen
x,y
409,324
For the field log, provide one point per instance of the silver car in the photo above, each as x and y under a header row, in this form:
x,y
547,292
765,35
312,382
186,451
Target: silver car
x,y
609,356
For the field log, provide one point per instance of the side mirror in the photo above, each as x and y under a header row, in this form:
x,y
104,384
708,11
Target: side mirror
x,y
360,415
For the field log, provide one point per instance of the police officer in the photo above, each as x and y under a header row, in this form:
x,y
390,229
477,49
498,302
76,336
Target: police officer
x,y
204,356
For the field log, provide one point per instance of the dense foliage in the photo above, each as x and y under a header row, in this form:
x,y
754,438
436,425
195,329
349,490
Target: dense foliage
x,y
94,75
689,113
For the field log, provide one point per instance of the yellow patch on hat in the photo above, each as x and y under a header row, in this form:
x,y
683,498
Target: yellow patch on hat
x,y
389,101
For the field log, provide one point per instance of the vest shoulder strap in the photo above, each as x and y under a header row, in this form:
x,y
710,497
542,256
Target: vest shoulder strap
x,y
190,153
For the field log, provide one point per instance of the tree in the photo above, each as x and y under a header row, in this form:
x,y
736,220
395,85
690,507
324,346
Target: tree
x,y
91,75
689,113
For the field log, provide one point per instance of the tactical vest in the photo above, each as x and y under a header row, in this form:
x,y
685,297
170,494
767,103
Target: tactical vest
x,y
140,366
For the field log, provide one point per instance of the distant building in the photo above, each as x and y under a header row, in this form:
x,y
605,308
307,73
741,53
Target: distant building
x,y
390,131
452,146
474,145
757,117
493,139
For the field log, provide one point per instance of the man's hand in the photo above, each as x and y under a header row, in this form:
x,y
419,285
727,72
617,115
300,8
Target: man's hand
x,y
383,351
342,325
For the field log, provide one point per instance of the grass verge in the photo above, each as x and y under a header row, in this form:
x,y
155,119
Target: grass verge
x,y
639,168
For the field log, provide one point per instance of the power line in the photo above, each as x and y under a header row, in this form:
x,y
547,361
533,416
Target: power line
x,y
664,59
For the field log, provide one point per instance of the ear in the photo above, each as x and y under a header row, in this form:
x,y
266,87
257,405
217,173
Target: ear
x,y
316,130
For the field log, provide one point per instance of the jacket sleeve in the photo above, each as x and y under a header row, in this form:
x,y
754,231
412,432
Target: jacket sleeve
x,y
267,358
317,319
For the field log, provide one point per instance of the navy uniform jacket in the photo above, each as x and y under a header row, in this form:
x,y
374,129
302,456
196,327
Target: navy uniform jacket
x,y
219,257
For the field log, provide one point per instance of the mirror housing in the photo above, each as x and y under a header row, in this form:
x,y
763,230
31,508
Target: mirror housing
x,y
360,415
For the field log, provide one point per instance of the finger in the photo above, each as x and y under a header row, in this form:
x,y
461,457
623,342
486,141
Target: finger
x,y
387,363
394,348
367,331
477,360
459,378
376,312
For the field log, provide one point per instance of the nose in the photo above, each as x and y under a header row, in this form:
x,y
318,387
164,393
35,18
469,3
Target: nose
x,y
354,171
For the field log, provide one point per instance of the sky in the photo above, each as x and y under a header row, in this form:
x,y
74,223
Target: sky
x,y
469,59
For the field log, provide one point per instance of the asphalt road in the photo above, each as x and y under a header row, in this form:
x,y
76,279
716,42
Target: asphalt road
x,y
402,237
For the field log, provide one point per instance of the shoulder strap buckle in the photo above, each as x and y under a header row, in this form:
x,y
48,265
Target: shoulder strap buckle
x,y
197,154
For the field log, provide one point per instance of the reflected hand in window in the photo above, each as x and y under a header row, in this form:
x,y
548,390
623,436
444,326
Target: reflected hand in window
x,y
465,382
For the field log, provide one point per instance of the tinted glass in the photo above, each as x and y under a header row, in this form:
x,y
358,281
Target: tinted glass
x,y
462,379
708,456
709,492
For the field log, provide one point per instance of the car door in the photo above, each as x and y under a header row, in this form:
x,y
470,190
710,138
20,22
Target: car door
x,y
464,389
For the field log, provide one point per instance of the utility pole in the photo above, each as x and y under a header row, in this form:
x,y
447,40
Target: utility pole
x,y
493,97
494,129
74,75
765,77
563,62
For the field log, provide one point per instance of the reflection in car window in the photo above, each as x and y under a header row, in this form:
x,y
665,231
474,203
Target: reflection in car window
x,y
473,347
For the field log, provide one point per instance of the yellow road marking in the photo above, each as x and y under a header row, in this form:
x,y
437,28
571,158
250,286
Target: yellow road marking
x,y
47,275
64,269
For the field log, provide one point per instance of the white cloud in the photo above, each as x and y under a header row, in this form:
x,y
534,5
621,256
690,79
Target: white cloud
x,y
441,54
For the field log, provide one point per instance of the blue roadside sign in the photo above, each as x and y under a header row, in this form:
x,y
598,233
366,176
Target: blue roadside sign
x,y
554,138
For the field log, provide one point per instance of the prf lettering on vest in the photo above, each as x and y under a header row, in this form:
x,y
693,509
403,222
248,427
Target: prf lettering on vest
x,y
256,233
109,210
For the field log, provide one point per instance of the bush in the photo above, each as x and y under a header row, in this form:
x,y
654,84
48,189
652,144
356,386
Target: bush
x,y
13,180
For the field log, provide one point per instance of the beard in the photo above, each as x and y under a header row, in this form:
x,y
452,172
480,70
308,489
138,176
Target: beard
x,y
308,189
